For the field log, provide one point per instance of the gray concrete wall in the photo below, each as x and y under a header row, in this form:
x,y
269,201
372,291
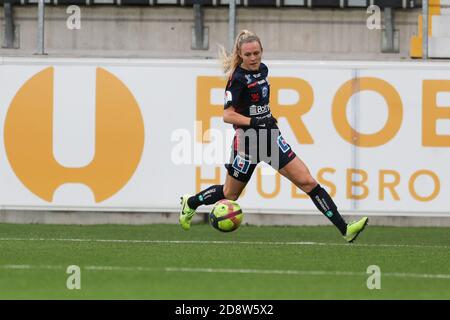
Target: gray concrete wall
x,y
160,32
258,219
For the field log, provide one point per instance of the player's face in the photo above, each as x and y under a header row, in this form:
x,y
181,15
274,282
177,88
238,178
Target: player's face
x,y
251,55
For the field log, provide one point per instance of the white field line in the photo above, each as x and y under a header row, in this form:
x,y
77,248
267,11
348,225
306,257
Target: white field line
x,y
222,270
300,243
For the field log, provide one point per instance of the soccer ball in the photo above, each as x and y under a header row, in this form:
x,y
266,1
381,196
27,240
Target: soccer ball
x,y
226,215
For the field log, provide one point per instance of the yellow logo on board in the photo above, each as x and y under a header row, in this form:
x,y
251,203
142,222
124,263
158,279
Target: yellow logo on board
x,y
119,138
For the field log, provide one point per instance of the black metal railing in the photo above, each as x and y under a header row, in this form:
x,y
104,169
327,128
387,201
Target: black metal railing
x,y
405,4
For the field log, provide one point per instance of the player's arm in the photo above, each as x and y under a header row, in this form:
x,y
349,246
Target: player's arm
x,y
234,90
231,116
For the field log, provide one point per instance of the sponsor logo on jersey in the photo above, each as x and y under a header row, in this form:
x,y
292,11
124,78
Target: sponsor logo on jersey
x,y
240,164
228,97
251,85
249,78
283,144
255,110
254,97
265,91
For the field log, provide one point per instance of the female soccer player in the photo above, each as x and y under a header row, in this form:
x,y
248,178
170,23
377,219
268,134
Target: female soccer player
x,y
258,139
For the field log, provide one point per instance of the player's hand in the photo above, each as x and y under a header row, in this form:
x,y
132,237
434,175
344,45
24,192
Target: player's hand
x,y
267,122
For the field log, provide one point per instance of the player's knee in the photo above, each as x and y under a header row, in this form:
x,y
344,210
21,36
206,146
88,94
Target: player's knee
x,y
230,194
308,183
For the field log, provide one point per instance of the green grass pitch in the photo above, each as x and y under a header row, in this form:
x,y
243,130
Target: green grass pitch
x,y
164,262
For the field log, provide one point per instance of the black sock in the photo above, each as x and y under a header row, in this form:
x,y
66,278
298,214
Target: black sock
x,y
326,205
208,196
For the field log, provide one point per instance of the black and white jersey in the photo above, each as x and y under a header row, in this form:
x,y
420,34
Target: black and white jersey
x,y
248,92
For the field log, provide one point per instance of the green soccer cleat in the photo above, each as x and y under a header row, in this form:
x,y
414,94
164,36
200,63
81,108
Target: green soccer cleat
x,y
186,213
354,229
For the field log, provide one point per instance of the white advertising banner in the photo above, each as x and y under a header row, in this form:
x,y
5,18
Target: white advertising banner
x,y
83,134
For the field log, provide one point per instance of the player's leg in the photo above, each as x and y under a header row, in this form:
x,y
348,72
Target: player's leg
x,y
239,170
190,203
298,173
233,188
290,166
230,190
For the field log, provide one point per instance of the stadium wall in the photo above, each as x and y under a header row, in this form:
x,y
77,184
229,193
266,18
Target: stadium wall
x,y
101,138
167,32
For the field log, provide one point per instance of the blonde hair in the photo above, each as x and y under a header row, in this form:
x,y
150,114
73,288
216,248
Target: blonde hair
x,y
232,60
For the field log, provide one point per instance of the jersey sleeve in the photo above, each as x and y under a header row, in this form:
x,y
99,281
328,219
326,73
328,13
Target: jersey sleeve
x,y
233,92
264,70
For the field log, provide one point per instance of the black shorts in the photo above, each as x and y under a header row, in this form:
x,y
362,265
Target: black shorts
x,y
253,146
